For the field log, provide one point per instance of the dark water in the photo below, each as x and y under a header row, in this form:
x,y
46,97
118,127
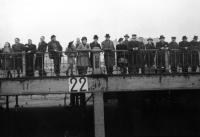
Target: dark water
x,y
134,114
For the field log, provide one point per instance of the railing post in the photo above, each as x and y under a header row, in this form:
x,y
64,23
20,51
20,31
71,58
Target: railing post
x,y
24,64
99,114
96,62
167,59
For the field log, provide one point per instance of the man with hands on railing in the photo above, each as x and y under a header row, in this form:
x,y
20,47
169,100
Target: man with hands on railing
x,y
30,50
161,46
133,60
18,49
174,55
55,53
184,55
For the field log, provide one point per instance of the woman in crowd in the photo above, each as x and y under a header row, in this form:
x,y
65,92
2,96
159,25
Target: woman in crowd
x,y
83,57
71,54
7,59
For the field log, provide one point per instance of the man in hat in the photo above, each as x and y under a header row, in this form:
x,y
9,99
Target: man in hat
x,y
94,46
161,46
109,54
18,48
194,52
126,41
149,55
122,58
174,55
133,58
184,54
30,49
55,53
42,47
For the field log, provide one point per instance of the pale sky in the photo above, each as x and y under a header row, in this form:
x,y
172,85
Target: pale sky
x,y
69,19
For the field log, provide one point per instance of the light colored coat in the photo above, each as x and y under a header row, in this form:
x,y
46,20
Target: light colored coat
x,y
83,56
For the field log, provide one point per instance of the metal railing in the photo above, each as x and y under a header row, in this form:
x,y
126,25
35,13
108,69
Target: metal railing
x,y
116,62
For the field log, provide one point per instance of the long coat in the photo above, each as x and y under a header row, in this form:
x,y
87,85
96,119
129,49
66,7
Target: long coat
x,y
194,54
109,54
184,53
133,55
7,58
174,54
160,60
18,49
83,55
93,46
71,54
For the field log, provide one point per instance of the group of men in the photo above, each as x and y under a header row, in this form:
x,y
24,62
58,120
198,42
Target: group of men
x,y
132,54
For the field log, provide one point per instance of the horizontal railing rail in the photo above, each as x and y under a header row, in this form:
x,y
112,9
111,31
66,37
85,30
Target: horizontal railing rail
x,y
89,62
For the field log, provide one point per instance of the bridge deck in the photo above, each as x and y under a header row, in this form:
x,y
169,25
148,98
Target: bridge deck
x,y
105,83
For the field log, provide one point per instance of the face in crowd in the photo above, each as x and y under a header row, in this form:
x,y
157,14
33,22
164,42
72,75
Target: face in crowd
x,y
84,41
29,41
17,40
42,38
134,37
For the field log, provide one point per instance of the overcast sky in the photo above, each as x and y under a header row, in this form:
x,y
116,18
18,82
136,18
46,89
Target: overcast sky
x,y
69,19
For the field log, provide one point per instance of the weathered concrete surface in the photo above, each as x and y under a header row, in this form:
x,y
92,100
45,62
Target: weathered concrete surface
x,y
112,83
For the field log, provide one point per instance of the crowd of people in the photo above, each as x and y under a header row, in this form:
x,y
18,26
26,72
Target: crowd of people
x,y
132,55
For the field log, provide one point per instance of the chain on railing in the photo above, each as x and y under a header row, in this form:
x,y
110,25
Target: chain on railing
x,y
120,62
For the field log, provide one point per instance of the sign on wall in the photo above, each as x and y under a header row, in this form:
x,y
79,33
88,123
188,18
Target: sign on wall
x,y
78,84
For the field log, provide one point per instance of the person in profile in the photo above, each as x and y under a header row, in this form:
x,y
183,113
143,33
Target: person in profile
x,y
18,49
55,53
71,55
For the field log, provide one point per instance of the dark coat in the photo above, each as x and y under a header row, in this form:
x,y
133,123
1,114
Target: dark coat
x,y
7,61
133,54
18,48
30,50
122,56
149,54
160,60
42,47
184,53
174,54
194,53
54,49
109,54
94,45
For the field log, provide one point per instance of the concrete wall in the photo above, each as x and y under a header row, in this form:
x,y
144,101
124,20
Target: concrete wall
x,y
115,83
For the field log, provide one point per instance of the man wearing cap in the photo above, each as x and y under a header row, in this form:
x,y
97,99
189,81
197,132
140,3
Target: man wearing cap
x,y
133,46
109,54
94,46
55,53
149,54
161,46
174,55
18,48
30,49
184,54
122,56
126,41
194,52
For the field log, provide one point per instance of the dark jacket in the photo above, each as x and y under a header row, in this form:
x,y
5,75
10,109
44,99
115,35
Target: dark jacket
x,y
93,45
109,54
122,56
184,53
54,49
42,47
